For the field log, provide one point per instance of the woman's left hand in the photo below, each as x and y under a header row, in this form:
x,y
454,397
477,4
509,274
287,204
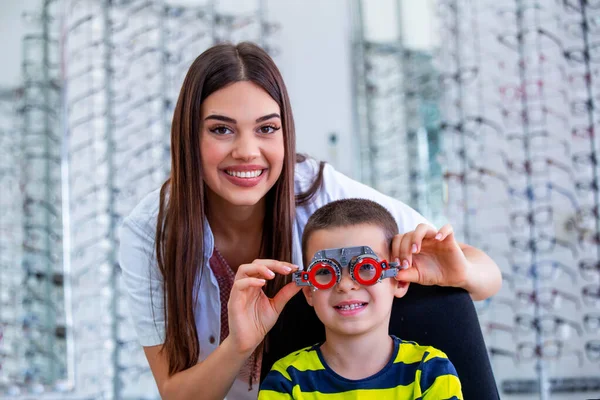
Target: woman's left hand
x,y
430,257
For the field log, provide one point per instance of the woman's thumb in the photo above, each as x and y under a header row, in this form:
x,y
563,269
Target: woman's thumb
x,y
284,295
409,274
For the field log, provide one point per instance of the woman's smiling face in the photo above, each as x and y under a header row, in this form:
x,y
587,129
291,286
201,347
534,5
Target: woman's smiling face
x,y
242,144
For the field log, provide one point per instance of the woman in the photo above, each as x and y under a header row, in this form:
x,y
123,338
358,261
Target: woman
x,y
236,203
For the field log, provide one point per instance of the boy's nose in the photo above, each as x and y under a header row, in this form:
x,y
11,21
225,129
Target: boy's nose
x,y
346,283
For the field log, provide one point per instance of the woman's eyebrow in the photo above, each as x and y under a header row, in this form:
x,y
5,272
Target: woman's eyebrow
x,y
266,117
233,121
221,118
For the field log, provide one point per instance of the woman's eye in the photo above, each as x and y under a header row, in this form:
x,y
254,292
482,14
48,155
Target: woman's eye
x,y
323,271
268,129
221,130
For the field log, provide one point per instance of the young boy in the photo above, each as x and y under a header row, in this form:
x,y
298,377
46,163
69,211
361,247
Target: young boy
x,y
347,284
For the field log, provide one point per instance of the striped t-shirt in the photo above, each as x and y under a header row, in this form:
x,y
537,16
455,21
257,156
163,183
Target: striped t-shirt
x,y
413,372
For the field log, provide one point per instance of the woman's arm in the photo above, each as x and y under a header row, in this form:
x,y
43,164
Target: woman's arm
x,y
484,278
209,379
473,271
432,257
212,377
251,315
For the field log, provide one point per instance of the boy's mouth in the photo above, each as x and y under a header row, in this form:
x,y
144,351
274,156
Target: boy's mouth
x,y
349,306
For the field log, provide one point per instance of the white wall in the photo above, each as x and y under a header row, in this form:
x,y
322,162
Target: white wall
x,y
315,60
315,64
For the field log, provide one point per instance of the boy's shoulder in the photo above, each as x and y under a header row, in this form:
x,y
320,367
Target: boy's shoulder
x,y
288,371
303,359
410,352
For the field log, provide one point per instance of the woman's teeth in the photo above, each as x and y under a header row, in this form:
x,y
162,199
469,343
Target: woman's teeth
x,y
350,306
245,174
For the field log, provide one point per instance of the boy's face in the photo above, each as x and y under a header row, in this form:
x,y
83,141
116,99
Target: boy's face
x,y
349,308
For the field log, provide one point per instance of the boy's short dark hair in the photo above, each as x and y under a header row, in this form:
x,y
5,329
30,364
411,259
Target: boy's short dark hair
x,y
348,212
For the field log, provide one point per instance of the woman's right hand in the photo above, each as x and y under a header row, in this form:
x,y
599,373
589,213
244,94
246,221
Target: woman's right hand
x,y
251,313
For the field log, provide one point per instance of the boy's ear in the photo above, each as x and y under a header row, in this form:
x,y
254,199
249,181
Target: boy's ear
x,y
308,293
401,288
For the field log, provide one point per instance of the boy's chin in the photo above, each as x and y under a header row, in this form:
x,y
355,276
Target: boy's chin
x,y
356,330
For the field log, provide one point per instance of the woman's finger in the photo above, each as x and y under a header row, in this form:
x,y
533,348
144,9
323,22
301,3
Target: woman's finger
x,y
284,295
395,248
275,263
245,283
444,232
264,268
422,231
405,249
254,271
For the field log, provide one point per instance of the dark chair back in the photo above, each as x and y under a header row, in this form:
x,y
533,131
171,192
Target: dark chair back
x,y
429,315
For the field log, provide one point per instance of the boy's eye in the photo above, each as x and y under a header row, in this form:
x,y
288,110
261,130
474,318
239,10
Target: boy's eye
x,y
323,276
367,272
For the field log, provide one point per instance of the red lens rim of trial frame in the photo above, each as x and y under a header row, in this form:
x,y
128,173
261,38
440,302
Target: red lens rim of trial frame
x,y
313,272
360,263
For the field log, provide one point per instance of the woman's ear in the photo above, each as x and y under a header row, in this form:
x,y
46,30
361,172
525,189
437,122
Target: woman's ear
x,y
308,294
401,288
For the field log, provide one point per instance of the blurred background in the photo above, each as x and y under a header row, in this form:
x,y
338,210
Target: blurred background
x,y
481,113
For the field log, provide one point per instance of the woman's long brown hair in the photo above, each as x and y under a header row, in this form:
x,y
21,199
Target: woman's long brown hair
x,y
180,226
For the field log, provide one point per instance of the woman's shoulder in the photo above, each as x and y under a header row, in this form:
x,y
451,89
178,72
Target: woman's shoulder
x,y
144,214
308,170
335,186
305,173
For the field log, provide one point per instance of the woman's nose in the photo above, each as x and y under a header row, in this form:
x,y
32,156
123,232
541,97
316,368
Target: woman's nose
x,y
246,147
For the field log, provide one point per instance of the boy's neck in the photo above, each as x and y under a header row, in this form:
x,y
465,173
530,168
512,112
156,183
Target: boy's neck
x,y
358,356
